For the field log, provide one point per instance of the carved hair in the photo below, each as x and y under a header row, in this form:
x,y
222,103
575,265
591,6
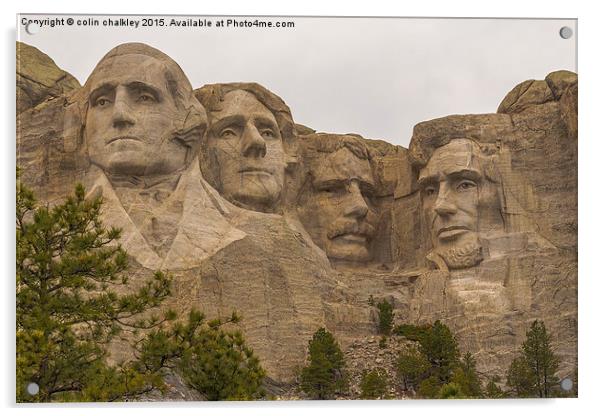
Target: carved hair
x,y
330,143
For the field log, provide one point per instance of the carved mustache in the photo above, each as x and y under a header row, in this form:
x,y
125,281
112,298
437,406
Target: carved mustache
x,y
345,227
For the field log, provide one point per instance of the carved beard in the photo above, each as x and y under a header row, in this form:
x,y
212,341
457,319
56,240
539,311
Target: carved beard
x,y
463,257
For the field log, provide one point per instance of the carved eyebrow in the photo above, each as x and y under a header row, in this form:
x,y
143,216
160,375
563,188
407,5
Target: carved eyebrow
x,y
102,89
221,123
327,183
470,174
143,87
425,181
266,122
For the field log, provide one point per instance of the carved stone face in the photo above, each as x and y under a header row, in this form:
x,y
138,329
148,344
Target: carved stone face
x,y
458,200
129,122
246,149
338,212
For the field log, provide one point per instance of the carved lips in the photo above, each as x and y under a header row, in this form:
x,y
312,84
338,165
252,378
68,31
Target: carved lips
x,y
114,139
257,170
451,232
352,232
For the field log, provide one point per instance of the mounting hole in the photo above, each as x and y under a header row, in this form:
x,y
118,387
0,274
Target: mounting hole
x,y
566,32
32,28
566,384
33,389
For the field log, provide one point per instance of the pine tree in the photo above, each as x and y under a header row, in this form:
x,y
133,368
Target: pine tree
x,y
466,377
385,317
324,375
493,391
532,373
213,361
67,310
441,350
520,379
412,365
541,359
451,390
374,384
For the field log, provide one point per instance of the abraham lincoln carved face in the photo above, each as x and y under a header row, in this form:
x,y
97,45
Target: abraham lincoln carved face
x,y
460,200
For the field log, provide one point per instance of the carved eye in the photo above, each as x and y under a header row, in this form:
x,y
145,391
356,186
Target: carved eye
x,y
146,98
227,133
429,191
465,185
267,133
102,101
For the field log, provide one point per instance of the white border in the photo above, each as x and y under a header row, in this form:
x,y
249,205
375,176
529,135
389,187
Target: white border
x,y
590,72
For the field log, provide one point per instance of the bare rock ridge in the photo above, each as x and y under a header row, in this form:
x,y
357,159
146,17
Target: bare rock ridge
x,y
39,78
475,224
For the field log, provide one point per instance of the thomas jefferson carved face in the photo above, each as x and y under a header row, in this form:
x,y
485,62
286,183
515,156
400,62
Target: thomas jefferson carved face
x,y
131,117
458,199
245,145
337,212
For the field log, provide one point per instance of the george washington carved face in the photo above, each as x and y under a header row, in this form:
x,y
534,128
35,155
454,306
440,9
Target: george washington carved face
x,y
141,118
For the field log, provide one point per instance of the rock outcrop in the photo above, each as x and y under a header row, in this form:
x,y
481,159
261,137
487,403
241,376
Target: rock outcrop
x,y
39,78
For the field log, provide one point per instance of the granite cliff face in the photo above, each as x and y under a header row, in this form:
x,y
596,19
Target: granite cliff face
x,y
475,224
39,78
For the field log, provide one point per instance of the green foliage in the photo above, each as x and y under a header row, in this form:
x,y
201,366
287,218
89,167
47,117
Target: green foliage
x,y
68,265
385,317
412,332
466,378
374,384
215,362
541,359
532,373
493,391
440,348
68,311
520,379
324,374
451,390
429,388
412,365
382,343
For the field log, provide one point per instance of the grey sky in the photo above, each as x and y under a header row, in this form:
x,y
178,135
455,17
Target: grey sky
x,y
377,77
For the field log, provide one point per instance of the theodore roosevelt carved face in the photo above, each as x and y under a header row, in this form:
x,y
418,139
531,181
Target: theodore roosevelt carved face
x,y
336,204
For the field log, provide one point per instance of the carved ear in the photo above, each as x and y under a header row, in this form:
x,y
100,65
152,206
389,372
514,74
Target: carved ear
x,y
191,137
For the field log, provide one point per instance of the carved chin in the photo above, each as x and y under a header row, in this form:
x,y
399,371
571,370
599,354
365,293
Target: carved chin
x,y
354,252
462,257
257,194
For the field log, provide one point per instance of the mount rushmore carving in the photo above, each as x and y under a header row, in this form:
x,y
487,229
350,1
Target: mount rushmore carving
x,y
475,224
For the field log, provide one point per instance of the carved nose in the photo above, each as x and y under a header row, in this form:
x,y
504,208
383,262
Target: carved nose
x,y
253,145
122,113
443,206
356,206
